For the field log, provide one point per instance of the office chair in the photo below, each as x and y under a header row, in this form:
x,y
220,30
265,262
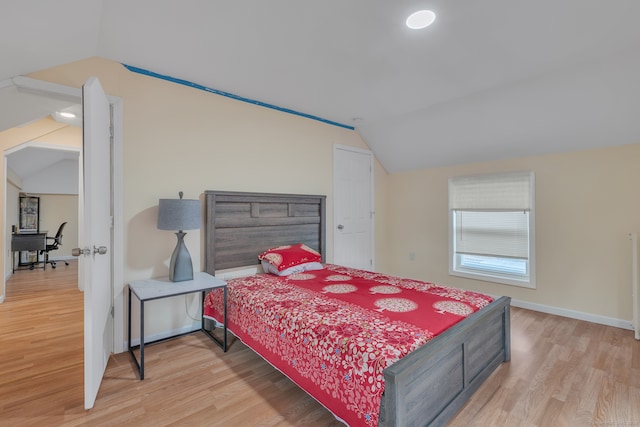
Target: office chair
x,y
56,242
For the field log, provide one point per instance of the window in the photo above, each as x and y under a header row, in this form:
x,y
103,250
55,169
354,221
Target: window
x,y
491,223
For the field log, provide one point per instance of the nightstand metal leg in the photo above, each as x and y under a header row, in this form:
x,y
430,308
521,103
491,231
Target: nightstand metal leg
x,y
141,340
224,348
140,364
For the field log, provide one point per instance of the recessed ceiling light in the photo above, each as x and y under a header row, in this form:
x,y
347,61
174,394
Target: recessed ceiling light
x,y
420,19
67,115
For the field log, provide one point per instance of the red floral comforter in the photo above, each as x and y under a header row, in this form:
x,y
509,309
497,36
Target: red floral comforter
x,y
334,331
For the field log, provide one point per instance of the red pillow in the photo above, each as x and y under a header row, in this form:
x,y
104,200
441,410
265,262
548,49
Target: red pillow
x,y
284,257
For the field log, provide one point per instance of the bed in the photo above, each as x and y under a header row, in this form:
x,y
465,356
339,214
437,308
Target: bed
x,y
428,385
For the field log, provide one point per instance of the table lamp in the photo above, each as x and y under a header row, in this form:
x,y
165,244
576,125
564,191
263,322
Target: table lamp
x,y
180,214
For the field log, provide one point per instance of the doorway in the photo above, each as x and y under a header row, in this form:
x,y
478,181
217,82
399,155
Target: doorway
x,y
23,100
48,174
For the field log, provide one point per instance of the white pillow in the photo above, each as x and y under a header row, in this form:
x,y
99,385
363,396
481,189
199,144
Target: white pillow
x,y
270,268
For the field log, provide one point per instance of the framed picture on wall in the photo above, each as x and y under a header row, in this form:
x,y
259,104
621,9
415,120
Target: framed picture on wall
x,y
29,215
29,222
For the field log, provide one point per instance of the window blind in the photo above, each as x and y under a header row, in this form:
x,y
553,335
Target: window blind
x,y
507,191
491,214
498,234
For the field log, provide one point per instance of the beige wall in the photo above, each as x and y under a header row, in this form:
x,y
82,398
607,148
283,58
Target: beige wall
x,y
586,205
178,138
13,218
56,209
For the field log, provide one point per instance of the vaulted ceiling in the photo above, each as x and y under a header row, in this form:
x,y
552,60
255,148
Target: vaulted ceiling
x,y
488,80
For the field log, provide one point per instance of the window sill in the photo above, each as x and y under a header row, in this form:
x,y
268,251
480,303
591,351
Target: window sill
x,y
487,277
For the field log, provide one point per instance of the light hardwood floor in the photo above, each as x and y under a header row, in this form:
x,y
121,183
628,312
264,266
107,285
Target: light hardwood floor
x,y
563,372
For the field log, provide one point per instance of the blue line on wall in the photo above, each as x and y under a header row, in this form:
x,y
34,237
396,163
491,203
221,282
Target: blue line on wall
x,y
231,95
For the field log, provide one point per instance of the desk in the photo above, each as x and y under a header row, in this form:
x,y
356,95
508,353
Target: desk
x,y
28,242
151,289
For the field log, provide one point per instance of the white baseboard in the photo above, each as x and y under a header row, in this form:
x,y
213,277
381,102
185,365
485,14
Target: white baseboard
x,y
572,314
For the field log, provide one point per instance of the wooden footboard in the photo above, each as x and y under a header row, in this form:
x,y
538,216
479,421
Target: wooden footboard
x,y
428,386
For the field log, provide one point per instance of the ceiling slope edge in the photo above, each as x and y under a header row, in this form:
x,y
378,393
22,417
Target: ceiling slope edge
x,y
232,96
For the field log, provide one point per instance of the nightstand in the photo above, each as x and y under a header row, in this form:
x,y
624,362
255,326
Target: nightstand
x,y
152,289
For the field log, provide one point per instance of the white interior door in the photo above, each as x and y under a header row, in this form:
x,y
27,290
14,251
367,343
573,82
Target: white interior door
x,y
95,237
353,207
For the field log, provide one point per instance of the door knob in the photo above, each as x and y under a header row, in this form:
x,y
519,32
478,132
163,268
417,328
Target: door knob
x,y
340,227
101,250
78,251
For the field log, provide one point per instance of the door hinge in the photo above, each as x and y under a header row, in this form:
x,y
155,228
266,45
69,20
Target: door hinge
x,y
111,311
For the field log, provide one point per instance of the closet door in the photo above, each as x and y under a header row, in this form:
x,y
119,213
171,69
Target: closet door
x,y
353,207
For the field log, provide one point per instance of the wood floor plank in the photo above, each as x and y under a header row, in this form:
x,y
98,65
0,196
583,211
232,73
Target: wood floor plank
x,y
563,372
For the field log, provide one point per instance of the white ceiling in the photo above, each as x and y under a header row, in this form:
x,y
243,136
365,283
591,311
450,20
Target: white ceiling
x,y
25,106
32,160
489,79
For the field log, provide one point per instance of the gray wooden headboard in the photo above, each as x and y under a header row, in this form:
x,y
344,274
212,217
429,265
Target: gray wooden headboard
x,y
240,226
